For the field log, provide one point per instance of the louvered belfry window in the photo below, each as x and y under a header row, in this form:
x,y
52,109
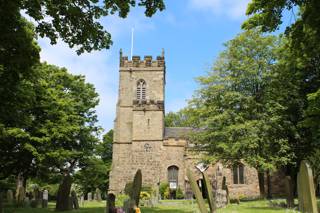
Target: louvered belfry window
x,y
141,90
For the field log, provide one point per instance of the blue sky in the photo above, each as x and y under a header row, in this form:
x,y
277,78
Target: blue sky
x,y
192,33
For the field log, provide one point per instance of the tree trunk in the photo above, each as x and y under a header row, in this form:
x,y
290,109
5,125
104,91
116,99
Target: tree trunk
x,y
261,184
63,194
269,194
20,190
1,201
289,191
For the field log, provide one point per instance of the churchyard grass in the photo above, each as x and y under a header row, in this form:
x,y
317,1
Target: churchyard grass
x,y
260,206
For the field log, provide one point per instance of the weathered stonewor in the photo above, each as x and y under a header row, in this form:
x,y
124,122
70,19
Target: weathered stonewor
x,y
45,198
221,198
306,190
97,195
74,200
89,196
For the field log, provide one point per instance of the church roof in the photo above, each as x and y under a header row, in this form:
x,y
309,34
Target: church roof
x,y
177,132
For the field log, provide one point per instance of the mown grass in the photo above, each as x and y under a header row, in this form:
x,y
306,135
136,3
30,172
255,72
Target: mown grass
x,y
260,206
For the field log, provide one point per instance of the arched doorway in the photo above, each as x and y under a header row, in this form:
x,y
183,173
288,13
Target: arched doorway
x,y
173,174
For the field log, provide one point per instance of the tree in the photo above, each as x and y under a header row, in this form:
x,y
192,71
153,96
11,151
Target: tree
x,y
182,118
64,126
238,119
298,74
94,173
75,22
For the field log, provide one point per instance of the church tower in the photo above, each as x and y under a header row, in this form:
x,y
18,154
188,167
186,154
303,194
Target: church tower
x,y
139,123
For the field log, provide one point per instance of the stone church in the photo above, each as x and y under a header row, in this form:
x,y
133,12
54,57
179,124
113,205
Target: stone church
x,y
141,140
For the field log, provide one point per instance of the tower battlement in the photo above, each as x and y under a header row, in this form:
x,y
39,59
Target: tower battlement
x,y
147,61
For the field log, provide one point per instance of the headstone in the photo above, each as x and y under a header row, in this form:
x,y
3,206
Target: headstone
x,y
111,206
221,198
45,198
74,200
82,200
89,196
289,192
10,196
98,195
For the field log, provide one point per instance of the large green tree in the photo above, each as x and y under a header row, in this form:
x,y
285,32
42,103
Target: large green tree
x,y
298,74
76,22
65,122
237,116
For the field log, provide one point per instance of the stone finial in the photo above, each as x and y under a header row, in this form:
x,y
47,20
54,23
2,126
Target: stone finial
x,y
162,53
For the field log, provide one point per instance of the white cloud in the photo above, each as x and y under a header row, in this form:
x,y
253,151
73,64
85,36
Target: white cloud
x,y
232,9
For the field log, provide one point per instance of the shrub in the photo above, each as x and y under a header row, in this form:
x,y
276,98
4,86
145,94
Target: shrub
x,y
179,193
163,188
120,198
166,193
144,195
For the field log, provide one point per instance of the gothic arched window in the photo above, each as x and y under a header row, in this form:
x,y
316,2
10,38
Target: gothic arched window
x,y
173,172
141,90
238,174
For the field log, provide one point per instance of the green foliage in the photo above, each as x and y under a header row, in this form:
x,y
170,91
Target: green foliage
x,y
162,189
179,193
236,114
181,118
145,195
76,23
120,198
94,174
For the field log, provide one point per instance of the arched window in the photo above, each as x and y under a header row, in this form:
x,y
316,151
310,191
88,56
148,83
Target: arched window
x,y
238,174
173,172
141,90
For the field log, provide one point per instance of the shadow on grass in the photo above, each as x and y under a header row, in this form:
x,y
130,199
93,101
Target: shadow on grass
x,y
161,210
40,210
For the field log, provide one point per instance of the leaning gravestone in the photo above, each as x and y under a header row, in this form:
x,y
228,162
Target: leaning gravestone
x,y
10,196
45,197
89,196
306,190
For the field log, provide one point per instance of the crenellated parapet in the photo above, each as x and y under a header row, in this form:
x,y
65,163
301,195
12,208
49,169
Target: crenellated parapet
x,y
137,62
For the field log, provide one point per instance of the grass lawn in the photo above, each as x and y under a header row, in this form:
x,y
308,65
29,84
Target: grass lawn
x,y
183,206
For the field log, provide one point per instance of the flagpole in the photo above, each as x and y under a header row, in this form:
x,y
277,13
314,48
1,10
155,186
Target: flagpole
x,y
132,30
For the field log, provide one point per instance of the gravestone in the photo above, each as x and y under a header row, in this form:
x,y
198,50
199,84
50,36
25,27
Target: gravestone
x,y
111,203
45,198
221,198
74,200
98,195
89,196
10,196
82,200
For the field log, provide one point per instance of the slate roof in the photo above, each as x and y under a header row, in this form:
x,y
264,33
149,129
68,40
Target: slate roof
x,y
177,132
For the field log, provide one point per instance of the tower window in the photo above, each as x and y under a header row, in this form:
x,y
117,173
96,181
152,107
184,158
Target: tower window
x,y
141,90
238,174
